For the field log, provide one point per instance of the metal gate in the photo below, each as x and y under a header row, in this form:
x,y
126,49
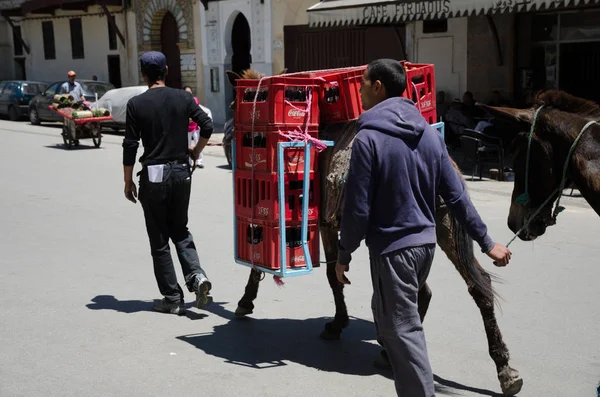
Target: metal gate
x,y
332,47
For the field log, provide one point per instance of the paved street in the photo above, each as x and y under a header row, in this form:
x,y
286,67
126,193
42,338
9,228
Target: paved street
x,y
77,283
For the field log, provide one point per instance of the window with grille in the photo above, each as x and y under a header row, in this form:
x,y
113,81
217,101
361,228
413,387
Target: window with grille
x,y
17,44
48,35
76,38
112,35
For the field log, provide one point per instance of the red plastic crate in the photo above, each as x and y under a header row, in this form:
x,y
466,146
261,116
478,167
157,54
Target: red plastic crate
x,y
266,244
339,100
264,158
430,116
266,198
281,100
420,85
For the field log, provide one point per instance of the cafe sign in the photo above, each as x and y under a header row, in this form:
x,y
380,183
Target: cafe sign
x,y
371,12
405,11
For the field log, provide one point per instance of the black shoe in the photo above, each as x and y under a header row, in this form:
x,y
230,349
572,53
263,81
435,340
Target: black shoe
x,y
163,306
200,165
202,288
382,361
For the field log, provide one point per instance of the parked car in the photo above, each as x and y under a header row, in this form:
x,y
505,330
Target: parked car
x,y
15,96
116,102
38,107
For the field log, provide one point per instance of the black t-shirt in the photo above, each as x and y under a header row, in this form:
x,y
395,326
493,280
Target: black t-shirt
x,y
160,118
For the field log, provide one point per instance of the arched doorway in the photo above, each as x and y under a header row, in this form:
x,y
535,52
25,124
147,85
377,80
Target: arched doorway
x,y
240,44
169,37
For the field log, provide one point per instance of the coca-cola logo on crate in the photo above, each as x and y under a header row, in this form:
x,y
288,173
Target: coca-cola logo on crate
x,y
254,161
295,159
296,113
298,259
254,115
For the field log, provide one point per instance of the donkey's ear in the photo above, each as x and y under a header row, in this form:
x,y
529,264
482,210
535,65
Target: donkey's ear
x,y
509,114
232,76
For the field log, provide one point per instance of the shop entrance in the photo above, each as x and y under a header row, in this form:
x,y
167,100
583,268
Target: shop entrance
x,y
566,53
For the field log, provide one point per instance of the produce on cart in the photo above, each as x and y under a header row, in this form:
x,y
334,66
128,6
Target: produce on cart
x,y
80,119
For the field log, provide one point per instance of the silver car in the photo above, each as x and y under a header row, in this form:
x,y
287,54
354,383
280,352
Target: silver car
x,y
116,100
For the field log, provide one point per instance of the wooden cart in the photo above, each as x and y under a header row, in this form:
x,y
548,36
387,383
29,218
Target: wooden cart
x,y
75,129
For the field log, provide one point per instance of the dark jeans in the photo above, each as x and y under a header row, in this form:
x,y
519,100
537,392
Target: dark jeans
x,y
397,278
165,207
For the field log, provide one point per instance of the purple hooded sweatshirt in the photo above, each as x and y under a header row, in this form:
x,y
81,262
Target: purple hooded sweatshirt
x,y
399,166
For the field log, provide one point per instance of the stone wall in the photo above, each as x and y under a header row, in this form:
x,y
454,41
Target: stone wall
x,y
484,75
149,16
10,4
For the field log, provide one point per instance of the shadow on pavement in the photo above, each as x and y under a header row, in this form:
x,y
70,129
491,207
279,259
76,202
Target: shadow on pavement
x,y
73,148
109,302
446,387
267,343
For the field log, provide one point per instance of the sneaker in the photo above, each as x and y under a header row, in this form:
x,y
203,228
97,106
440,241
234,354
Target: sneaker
x,y
202,287
163,306
200,165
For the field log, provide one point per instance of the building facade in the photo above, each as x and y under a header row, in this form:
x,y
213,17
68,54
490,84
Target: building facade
x,y
237,35
511,47
171,26
47,39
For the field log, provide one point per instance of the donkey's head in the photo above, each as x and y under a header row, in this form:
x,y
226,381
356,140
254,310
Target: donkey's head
x,y
558,119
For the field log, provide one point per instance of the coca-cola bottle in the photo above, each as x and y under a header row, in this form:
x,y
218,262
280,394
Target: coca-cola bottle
x,y
254,234
332,94
293,237
264,94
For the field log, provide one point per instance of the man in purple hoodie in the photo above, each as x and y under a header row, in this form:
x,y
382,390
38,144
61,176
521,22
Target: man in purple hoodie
x,y
399,165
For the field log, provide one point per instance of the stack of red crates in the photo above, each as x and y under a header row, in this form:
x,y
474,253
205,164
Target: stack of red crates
x,y
340,92
420,87
282,105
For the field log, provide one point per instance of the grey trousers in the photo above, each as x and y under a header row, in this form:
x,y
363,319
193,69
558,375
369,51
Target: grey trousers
x,y
397,278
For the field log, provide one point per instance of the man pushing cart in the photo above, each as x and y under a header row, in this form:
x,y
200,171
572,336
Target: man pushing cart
x,y
79,119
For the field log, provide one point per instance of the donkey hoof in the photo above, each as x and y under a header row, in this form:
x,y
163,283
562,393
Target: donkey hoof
x,y
242,311
330,332
327,335
510,381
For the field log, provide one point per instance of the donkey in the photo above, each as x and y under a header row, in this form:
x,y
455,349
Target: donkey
x,y
451,237
553,123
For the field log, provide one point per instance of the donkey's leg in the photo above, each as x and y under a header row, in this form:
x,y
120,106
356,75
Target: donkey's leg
x,y
509,378
334,328
246,305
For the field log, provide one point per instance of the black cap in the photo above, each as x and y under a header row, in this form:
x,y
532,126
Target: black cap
x,y
153,60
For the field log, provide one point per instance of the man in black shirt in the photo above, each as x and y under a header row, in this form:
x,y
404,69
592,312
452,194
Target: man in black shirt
x,y
159,117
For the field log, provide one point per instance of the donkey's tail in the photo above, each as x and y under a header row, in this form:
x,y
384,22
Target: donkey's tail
x,y
477,277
